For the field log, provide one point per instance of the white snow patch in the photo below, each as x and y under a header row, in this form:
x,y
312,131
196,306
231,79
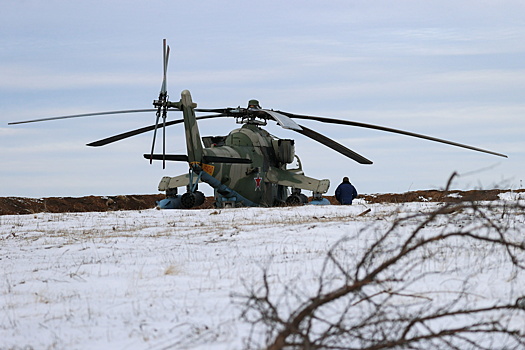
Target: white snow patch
x,y
512,196
157,279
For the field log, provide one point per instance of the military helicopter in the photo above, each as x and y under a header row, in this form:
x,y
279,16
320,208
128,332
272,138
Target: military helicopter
x,y
247,167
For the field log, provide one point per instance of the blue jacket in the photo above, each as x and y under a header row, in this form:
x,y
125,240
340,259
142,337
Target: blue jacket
x,y
345,193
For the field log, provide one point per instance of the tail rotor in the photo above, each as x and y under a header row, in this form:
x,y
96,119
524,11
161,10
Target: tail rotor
x,y
162,107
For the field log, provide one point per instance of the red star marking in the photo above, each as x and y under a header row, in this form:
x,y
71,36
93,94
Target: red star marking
x,y
258,180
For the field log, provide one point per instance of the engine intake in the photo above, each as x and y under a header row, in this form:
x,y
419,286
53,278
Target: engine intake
x,y
284,150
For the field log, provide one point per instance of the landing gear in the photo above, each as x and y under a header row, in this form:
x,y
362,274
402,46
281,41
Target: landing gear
x,y
296,198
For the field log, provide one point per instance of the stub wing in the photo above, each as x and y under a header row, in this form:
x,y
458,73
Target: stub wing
x,y
168,182
291,179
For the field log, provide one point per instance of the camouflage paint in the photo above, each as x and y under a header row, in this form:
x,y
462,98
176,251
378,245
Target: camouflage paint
x,y
193,138
265,181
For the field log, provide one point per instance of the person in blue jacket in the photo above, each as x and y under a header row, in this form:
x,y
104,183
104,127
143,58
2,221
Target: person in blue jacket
x,y
345,192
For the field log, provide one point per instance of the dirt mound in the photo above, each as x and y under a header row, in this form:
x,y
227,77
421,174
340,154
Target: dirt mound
x,y
19,205
437,196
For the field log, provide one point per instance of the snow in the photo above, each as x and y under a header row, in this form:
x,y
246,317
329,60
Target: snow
x,y
157,279
512,196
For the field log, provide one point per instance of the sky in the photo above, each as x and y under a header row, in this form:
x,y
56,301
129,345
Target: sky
x,y
452,70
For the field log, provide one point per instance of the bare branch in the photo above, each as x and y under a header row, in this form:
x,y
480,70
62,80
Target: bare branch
x,y
378,301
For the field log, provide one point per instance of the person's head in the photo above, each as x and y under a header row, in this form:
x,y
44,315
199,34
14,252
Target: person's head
x,y
345,179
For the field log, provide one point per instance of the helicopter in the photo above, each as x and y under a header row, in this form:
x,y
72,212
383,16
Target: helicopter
x,y
247,167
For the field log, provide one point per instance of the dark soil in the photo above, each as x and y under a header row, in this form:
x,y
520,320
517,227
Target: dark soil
x,y
437,196
19,205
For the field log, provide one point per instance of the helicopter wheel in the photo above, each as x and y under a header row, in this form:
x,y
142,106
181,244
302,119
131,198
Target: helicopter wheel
x,y
294,200
304,199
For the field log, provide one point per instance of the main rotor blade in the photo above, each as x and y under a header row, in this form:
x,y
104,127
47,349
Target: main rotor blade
x,y
333,145
214,110
84,115
135,132
396,131
283,120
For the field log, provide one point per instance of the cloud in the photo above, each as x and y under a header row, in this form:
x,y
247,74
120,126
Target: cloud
x,y
27,78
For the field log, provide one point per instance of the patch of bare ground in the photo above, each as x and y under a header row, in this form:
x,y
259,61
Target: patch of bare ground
x,y
21,205
437,196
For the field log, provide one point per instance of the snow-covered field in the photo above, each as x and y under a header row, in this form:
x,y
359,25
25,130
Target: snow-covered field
x,y
166,279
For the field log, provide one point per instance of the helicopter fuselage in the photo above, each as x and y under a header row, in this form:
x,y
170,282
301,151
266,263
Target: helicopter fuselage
x,y
247,167
250,180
